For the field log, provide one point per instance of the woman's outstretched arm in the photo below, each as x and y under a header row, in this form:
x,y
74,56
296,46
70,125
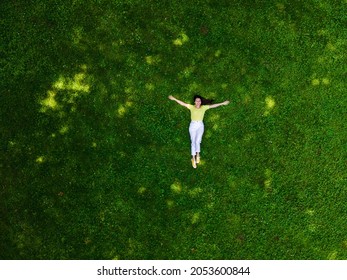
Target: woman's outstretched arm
x,y
219,104
178,101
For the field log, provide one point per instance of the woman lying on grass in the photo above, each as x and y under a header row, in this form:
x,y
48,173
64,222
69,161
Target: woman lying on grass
x,y
196,127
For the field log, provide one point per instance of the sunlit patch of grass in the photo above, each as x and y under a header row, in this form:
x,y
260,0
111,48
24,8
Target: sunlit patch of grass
x,y
310,212
312,227
170,203
123,108
331,47
186,72
152,60
77,83
215,126
208,133
176,187
195,218
213,117
315,82
182,39
325,81
193,87
247,99
73,87
269,105
77,35
141,190
40,159
323,32
195,192
217,53
49,102
332,255
249,136
231,180
64,129
150,86
210,205
280,7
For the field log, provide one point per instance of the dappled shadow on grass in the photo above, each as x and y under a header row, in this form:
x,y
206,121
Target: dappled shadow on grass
x,y
96,160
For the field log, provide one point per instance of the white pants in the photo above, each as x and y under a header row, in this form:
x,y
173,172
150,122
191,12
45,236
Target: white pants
x,y
196,130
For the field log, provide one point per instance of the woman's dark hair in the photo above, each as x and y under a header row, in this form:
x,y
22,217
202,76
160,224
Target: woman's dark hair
x,y
204,101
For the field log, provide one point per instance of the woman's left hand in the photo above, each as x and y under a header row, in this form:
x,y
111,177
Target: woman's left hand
x,y
226,102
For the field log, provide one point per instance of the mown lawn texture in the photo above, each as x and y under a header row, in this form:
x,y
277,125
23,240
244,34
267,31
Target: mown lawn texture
x,y
95,159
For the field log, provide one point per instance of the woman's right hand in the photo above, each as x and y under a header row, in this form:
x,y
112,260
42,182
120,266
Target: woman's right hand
x,y
171,97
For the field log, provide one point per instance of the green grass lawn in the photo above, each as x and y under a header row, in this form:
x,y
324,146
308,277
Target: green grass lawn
x,y
95,159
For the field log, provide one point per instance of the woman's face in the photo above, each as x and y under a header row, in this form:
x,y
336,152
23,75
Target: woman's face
x,y
197,102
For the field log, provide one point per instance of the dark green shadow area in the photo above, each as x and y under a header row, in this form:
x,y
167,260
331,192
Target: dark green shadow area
x,y
95,160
